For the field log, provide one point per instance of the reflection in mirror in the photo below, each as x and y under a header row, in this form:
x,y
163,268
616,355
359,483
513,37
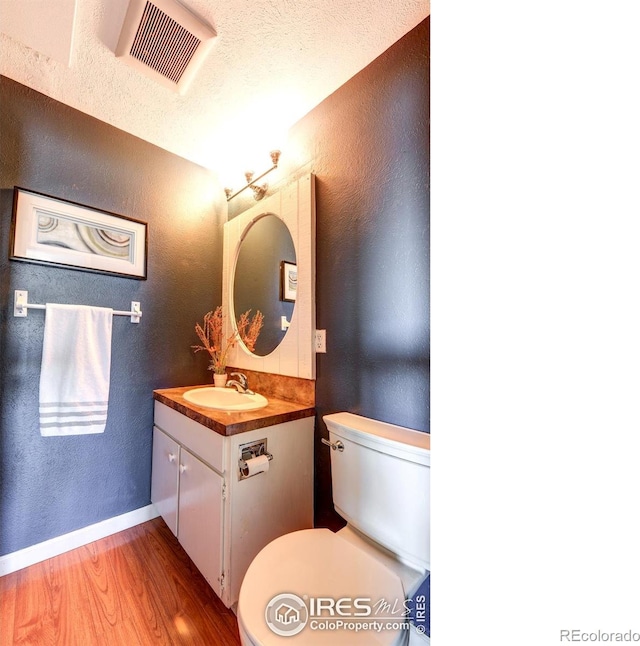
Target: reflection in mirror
x,y
264,278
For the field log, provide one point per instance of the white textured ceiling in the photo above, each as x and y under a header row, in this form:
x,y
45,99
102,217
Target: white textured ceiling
x,y
272,62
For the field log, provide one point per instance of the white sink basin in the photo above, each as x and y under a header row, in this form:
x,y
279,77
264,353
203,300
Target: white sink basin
x,y
224,399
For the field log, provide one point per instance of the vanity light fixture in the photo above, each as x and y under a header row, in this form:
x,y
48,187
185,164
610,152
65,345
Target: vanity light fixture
x,y
259,190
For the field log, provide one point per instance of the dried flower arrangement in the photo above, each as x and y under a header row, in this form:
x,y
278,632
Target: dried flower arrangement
x,y
213,341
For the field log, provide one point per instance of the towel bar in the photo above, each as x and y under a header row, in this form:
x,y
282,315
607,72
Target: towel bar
x,y
21,305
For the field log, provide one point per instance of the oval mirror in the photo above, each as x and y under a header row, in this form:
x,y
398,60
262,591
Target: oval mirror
x,y
265,278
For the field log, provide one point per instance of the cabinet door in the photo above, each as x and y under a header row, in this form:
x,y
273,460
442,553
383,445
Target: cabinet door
x,y
200,505
164,478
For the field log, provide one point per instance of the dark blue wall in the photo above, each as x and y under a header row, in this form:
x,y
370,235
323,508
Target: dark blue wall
x,y
50,486
369,146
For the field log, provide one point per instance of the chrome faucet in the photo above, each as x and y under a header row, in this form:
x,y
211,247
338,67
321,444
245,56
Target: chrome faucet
x,y
240,384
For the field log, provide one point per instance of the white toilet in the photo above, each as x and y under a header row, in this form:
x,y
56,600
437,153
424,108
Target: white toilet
x,y
315,587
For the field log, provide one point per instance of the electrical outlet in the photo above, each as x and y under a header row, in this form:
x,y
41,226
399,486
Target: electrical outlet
x,y
321,341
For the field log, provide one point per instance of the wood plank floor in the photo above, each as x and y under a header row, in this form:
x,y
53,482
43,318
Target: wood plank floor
x,y
136,587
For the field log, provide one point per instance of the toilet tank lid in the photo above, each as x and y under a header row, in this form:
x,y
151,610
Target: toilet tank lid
x,y
401,441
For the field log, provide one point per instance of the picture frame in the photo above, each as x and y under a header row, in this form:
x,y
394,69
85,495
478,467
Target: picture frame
x,y
53,231
288,281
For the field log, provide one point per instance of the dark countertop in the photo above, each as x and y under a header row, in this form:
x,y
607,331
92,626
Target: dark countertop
x,y
233,422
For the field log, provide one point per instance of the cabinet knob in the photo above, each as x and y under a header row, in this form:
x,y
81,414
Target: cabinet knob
x,y
172,457
183,468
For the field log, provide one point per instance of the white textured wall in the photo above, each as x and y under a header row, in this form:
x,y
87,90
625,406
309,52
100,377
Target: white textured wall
x,y
272,62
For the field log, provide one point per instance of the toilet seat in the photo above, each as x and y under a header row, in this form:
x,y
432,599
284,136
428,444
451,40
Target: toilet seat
x,y
316,563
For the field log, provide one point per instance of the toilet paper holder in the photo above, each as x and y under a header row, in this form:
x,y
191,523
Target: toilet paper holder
x,y
248,452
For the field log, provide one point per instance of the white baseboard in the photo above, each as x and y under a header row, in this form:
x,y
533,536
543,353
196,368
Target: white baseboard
x,y
61,544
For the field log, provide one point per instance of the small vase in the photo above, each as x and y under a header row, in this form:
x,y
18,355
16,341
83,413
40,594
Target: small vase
x,y
219,381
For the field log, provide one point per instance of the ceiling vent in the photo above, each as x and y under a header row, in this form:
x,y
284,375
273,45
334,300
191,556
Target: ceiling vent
x,y
165,40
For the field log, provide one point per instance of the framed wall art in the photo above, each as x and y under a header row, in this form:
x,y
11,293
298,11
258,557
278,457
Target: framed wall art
x,y
288,281
57,232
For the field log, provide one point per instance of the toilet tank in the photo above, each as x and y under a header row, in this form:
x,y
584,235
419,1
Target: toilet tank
x,y
381,483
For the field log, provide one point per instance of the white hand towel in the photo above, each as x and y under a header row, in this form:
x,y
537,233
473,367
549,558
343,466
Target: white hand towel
x,y
76,363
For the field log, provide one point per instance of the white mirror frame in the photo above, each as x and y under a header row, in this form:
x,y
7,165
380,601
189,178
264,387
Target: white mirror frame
x,y
295,206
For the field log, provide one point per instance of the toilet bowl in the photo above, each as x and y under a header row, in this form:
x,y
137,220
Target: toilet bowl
x,y
353,587
316,564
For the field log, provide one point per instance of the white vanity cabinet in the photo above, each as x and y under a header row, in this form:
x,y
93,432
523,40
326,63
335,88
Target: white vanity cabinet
x,y
200,505
164,478
221,520
188,494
